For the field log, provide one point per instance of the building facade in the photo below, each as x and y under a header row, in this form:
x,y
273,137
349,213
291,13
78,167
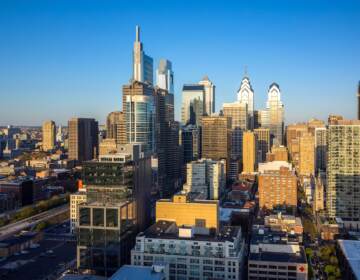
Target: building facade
x,y
193,104
263,143
249,152
209,96
48,135
246,97
116,127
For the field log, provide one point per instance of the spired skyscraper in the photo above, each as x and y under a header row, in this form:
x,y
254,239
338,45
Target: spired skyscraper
x,y
246,96
142,63
273,116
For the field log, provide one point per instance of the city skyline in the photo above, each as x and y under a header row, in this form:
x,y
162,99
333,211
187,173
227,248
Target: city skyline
x,y
310,57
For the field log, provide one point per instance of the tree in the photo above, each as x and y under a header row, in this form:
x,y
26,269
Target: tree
x,y
41,226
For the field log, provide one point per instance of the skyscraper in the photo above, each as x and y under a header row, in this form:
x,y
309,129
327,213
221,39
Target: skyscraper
x,y
83,139
246,96
191,142
139,109
165,76
320,148
263,143
307,155
193,104
343,170
249,152
216,133
116,127
274,116
209,97
142,63
48,135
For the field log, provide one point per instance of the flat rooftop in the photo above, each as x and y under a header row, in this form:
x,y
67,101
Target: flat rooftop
x,y
351,250
279,257
128,272
169,230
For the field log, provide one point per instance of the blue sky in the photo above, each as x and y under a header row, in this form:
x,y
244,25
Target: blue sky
x,y
60,59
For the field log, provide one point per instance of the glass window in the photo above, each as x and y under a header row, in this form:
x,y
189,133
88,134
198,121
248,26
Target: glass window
x,y
111,217
98,217
84,216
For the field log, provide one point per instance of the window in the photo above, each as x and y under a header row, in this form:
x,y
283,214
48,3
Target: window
x,y
111,217
98,217
200,223
84,216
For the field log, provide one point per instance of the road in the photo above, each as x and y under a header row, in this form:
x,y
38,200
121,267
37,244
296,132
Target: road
x,y
11,229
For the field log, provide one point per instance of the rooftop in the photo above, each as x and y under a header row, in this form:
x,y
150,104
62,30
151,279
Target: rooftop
x,y
127,272
279,257
351,250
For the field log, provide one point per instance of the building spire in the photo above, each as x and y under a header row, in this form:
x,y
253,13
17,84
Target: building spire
x,y
245,71
137,33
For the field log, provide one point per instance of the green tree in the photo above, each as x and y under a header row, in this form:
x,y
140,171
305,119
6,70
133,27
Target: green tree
x,y
41,226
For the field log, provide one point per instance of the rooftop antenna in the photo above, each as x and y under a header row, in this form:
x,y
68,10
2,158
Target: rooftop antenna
x,y
137,33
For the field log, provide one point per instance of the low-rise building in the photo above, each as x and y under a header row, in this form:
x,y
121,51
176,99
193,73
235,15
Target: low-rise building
x,y
75,200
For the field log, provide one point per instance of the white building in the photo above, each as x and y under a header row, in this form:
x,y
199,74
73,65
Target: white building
x,y
192,253
246,96
75,200
205,176
165,76
209,89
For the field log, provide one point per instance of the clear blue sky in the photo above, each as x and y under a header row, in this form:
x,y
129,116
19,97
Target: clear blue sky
x,y
60,59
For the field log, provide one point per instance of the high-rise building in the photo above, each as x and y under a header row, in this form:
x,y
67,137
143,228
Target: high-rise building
x,y
273,116
117,207
343,170
142,63
278,153
83,139
59,135
107,146
263,143
209,96
191,142
165,76
320,148
238,114
116,127
216,137
140,114
168,151
246,96
249,152
277,188
48,135
207,177
307,155
193,104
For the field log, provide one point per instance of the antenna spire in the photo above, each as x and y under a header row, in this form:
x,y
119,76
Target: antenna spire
x,y
137,33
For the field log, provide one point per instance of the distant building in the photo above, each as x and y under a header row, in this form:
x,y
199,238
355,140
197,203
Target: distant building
x,y
48,135
21,190
273,117
246,96
107,146
358,101
83,139
262,143
273,165
207,177
142,63
278,153
209,96
165,76
277,188
193,104
116,127
191,142
307,155
320,149
216,137
249,152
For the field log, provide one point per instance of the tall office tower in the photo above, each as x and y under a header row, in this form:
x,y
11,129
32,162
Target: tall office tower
x,y
209,96
165,76
277,188
207,177
116,127
249,152
117,207
83,139
307,155
293,134
140,113
343,170
257,119
238,114
193,104
59,135
320,148
48,135
188,236
167,144
216,137
142,63
246,96
273,117
358,100
263,143
190,141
